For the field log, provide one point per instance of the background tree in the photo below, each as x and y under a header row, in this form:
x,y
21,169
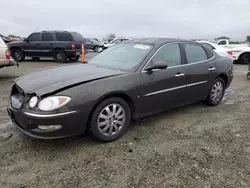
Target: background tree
x,y
248,38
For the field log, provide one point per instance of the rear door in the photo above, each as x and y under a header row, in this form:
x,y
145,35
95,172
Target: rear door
x,y
32,48
47,45
200,69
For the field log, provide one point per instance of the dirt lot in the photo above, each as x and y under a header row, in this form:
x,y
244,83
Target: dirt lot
x,y
193,146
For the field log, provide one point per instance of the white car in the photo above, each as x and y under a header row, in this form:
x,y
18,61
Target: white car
x,y
5,58
222,51
115,41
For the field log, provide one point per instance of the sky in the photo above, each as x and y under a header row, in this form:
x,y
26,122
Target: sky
x,y
187,19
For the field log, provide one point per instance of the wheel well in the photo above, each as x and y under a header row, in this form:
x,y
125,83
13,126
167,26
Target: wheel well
x,y
244,54
120,95
224,77
14,48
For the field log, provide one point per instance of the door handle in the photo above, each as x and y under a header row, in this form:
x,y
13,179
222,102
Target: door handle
x,y
211,68
179,74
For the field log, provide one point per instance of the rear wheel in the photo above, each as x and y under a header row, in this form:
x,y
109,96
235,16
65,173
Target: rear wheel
x,y
216,92
59,56
110,119
75,58
245,59
248,75
18,55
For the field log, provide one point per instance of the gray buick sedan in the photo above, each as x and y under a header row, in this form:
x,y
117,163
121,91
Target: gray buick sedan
x,y
127,81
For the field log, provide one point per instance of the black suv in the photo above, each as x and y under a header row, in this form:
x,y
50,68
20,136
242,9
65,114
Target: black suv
x,y
61,45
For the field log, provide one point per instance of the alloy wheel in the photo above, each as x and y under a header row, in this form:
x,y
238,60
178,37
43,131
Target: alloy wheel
x,y
217,92
18,56
111,119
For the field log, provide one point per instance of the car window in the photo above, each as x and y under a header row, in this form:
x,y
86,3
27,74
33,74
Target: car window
x,y
222,43
78,37
34,37
123,56
47,37
195,53
210,53
64,36
170,54
209,46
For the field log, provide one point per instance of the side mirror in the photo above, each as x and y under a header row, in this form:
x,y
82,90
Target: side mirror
x,y
157,65
25,40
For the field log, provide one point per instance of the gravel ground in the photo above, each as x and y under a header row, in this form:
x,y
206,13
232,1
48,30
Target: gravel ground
x,y
192,146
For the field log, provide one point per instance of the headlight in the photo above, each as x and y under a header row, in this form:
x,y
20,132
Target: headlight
x,y
33,101
52,103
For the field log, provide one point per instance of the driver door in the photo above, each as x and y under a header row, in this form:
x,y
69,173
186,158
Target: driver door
x,y
163,89
32,48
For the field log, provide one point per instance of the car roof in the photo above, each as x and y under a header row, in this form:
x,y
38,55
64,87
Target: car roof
x,y
158,41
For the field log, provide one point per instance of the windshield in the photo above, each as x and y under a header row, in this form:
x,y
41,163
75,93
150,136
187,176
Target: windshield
x,y
123,56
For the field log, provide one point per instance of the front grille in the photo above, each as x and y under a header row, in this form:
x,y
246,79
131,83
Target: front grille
x,y
17,97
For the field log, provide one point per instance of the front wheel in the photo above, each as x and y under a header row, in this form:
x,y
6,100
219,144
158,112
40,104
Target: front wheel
x,y
110,119
248,75
216,92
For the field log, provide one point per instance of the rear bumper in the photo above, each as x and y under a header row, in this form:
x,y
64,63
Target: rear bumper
x,y
9,64
230,79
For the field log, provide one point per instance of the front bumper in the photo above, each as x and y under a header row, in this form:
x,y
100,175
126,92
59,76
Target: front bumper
x,y
71,124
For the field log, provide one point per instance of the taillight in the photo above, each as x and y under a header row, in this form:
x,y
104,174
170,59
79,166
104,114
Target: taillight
x,y
73,47
230,52
7,54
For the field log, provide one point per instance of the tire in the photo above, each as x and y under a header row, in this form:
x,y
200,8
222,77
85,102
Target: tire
x,y
75,58
97,49
18,55
101,121
59,56
216,92
244,59
35,58
248,75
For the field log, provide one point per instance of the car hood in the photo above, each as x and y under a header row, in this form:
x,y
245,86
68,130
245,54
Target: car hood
x,y
56,78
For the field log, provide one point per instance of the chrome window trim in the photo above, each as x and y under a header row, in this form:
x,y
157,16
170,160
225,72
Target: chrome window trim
x,y
48,115
143,71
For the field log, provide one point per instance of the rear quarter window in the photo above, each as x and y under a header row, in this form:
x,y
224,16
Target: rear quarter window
x,y
67,37
78,37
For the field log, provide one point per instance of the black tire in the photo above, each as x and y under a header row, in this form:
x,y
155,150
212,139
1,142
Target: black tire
x,y
219,94
35,58
18,55
75,58
244,59
97,48
93,126
248,75
59,56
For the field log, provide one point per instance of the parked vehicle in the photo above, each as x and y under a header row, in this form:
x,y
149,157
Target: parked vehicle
x,y
114,42
61,45
240,52
92,44
5,58
128,81
218,49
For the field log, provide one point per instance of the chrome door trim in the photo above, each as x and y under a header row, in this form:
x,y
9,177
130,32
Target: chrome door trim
x,y
197,83
163,91
174,88
143,69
